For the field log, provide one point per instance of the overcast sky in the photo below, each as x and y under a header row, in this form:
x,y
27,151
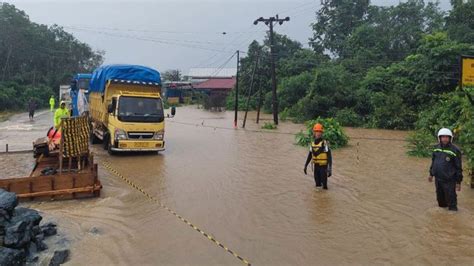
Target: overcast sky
x,y
174,34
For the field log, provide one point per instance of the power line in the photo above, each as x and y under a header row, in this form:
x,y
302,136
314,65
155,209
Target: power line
x,y
154,40
219,69
272,132
163,39
156,31
230,45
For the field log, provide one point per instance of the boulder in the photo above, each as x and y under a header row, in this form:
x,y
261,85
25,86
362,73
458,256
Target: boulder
x,y
10,256
28,215
8,200
32,251
18,235
49,229
59,257
40,246
22,228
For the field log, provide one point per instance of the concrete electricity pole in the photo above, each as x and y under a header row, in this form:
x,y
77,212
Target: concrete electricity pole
x,y
270,22
236,105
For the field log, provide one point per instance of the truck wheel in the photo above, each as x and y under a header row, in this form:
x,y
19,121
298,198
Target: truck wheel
x,y
109,150
107,145
106,141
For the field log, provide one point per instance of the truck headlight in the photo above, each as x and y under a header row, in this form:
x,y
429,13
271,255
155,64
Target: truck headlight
x,y
120,134
158,135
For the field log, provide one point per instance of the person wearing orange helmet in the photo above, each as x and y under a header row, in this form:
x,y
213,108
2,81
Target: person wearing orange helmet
x,y
320,155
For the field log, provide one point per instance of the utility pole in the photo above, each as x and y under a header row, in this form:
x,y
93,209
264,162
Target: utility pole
x,y
6,63
259,104
250,89
236,105
269,22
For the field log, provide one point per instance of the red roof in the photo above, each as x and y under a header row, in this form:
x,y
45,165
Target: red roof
x,y
216,84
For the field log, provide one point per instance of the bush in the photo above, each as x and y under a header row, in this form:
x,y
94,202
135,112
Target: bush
x,y
269,125
421,143
333,133
453,110
465,131
285,114
215,101
390,112
347,117
443,113
15,97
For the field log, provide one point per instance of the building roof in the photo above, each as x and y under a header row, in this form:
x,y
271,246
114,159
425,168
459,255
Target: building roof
x,y
179,85
212,72
217,83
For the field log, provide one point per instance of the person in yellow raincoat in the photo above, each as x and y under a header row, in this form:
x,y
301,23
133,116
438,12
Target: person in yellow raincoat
x,y
52,102
61,112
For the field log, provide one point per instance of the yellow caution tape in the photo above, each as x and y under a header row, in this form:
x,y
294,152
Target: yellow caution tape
x,y
153,199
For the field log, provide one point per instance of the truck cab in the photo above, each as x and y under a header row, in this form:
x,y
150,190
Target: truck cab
x,y
127,113
136,122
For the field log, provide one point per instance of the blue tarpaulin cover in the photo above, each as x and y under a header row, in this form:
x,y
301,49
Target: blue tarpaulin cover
x,y
122,72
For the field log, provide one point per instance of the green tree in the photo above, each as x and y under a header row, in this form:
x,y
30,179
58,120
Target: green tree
x,y
172,75
34,54
285,50
389,34
460,22
335,21
35,58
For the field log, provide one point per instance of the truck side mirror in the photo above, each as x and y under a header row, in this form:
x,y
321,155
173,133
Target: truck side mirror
x,y
173,110
110,108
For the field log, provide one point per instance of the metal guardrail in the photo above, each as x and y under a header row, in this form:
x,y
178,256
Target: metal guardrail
x,y
8,151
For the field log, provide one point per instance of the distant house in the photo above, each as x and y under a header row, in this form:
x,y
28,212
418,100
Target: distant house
x,y
197,75
175,91
216,85
212,80
215,82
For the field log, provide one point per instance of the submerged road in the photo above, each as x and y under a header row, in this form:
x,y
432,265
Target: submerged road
x,y
248,191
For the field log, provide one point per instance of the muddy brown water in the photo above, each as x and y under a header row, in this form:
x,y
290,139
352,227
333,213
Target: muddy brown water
x,y
248,190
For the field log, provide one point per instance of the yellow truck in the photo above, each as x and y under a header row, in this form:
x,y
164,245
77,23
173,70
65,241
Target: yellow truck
x,y
126,109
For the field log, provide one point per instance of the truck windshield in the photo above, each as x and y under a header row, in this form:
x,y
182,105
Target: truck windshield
x,y
83,84
138,109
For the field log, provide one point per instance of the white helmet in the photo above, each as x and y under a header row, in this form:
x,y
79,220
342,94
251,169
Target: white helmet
x,y
445,132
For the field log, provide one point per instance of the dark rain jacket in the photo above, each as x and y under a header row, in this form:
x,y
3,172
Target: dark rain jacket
x,y
31,106
446,164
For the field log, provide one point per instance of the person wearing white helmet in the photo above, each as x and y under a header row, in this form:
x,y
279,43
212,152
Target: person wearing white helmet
x,y
446,168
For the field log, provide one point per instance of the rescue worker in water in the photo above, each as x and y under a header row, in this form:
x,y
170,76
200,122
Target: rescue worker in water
x,y
321,158
446,168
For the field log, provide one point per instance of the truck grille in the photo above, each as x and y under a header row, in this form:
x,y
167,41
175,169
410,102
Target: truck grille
x,y
140,135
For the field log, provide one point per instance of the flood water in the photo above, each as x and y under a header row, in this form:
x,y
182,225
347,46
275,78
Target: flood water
x,y
248,190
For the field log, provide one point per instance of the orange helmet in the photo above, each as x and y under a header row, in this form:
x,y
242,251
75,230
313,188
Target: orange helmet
x,y
318,128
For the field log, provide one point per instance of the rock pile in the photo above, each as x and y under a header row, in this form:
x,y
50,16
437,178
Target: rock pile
x,y
21,235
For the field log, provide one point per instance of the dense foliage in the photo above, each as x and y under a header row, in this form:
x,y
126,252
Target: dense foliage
x,y
269,125
35,59
333,133
394,67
